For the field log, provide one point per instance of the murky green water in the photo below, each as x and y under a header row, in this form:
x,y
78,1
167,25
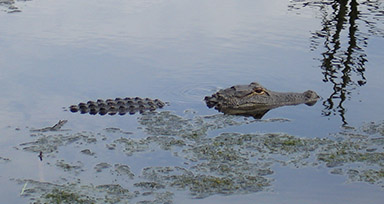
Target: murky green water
x,y
55,54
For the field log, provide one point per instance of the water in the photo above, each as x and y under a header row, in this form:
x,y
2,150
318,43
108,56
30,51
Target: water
x,y
54,54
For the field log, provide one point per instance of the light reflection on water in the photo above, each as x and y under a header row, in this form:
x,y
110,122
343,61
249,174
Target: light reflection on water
x,y
180,51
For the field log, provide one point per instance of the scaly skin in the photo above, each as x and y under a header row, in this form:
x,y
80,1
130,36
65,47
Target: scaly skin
x,y
247,100
118,105
255,100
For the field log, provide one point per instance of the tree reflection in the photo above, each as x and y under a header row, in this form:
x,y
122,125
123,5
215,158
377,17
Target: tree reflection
x,y
346,27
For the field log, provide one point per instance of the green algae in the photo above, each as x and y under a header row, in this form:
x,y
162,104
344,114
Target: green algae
x,y
50,143
101,166
167,124
75,193
371,176
123,170
157,198
61,197
74,167
373,128
117,130
131,146
202,185
149,185
227,163
87,152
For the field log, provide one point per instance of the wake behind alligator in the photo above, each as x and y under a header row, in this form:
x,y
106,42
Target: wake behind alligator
x,y
247,100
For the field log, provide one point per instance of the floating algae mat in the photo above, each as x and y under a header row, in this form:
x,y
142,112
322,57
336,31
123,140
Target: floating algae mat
x,y
114,166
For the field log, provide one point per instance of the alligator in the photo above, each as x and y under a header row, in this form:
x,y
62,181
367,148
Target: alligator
x,y
255,100
247,100
118,105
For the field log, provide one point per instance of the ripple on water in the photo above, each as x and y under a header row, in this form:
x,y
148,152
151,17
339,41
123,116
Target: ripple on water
x,y
192,93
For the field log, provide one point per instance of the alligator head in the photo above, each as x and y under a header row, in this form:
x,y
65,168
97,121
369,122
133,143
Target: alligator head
x,y
255,100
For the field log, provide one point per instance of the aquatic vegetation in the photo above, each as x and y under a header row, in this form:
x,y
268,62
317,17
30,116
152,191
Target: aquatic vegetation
x,y
370,176
50,143
101,166
149,185
373,128
226,163
167,124
9,6
203,185
75,167
75,193
4,159
123,170
60,196
131,146
87,152
117,130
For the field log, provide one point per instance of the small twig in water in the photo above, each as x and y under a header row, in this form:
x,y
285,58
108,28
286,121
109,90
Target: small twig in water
x,y
56,127
24,187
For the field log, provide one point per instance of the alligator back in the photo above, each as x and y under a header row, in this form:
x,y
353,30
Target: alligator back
x,y
118,105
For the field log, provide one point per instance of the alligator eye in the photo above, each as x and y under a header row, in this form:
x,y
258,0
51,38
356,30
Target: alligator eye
x,y
259,90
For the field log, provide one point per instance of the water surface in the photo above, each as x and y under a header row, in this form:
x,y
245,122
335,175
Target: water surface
x,y
54,54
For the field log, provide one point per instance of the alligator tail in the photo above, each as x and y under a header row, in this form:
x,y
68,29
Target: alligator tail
x,y
118,105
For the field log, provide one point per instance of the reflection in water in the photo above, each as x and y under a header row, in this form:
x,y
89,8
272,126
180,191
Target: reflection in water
x,y
343,63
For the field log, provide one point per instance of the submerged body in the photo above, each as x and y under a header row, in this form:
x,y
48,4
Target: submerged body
x,y
255,100
247,100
